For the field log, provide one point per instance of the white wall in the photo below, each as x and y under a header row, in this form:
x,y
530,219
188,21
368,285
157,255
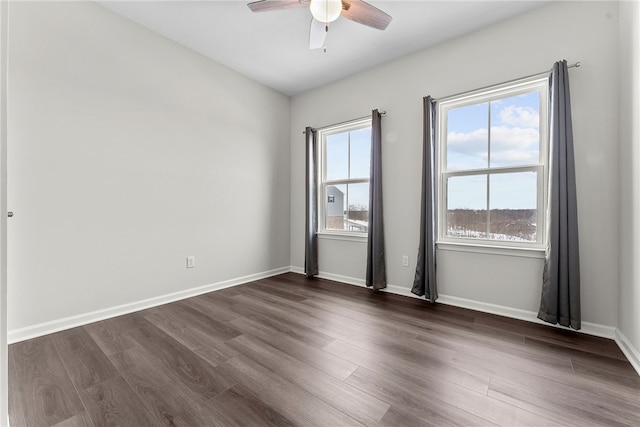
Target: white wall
x,y
576,31
4,381
629,232
128,153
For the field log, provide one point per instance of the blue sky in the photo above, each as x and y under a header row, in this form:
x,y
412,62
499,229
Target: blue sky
x,y
514,134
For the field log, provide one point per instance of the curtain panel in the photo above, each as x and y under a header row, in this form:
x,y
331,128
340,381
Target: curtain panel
x,y
560,299
311,215
424,282
376,268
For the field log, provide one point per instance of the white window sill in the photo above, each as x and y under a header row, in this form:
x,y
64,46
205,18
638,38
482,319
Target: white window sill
x,y
348,237
493,250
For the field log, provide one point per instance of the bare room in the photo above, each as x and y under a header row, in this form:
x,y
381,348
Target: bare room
x,y
319,213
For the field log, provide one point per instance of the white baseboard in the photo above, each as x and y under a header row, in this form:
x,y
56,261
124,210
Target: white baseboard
x,y
588,328
514,313
294,269
631,353
342,279
45,328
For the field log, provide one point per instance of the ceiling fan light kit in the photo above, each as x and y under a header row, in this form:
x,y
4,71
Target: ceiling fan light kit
x,y
326,10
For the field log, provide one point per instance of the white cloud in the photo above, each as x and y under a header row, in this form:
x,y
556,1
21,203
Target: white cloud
x,y
513,115
505,138
472,146
470,143
509,145
476,136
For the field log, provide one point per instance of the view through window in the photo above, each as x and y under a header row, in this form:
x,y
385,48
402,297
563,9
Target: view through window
x,y
493,151
345,167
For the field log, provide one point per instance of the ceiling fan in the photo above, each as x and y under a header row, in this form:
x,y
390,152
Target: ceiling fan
x,y
326,11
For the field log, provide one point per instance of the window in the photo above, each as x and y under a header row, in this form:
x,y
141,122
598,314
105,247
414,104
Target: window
x,y
493,149
345,152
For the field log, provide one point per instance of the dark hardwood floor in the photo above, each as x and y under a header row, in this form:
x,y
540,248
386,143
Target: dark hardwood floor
x,y
290,351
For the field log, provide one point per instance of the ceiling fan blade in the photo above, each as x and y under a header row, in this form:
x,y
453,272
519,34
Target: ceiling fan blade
x,y
317,34
267,5
363,13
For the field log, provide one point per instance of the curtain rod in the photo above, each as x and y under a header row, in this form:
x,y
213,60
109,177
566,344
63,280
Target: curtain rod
x,y
455,95
382,113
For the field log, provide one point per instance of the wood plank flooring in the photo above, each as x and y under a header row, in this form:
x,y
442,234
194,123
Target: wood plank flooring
x,y
288,351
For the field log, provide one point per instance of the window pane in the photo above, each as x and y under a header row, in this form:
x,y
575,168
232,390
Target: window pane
x,y
515,130
347,207
335,207
358,212
492,154
468,137
360,153
513,203
467,206
337,161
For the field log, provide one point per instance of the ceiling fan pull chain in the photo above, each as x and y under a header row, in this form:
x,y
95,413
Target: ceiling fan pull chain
x,y
326,30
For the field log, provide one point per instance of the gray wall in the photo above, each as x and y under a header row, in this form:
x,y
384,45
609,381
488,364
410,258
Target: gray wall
x,y
629,174
127,154
530,43
4,382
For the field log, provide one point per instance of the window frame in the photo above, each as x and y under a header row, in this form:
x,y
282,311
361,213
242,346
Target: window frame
x,y
536,83
352,125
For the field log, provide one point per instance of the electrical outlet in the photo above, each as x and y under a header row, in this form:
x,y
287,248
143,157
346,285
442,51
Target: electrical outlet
x,y
405,260
191,262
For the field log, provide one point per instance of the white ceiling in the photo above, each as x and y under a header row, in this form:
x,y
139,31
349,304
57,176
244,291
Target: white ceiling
x,y
272,47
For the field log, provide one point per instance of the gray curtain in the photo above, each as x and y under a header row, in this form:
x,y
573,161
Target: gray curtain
x,y
560,301
376,269
424,282
311,217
